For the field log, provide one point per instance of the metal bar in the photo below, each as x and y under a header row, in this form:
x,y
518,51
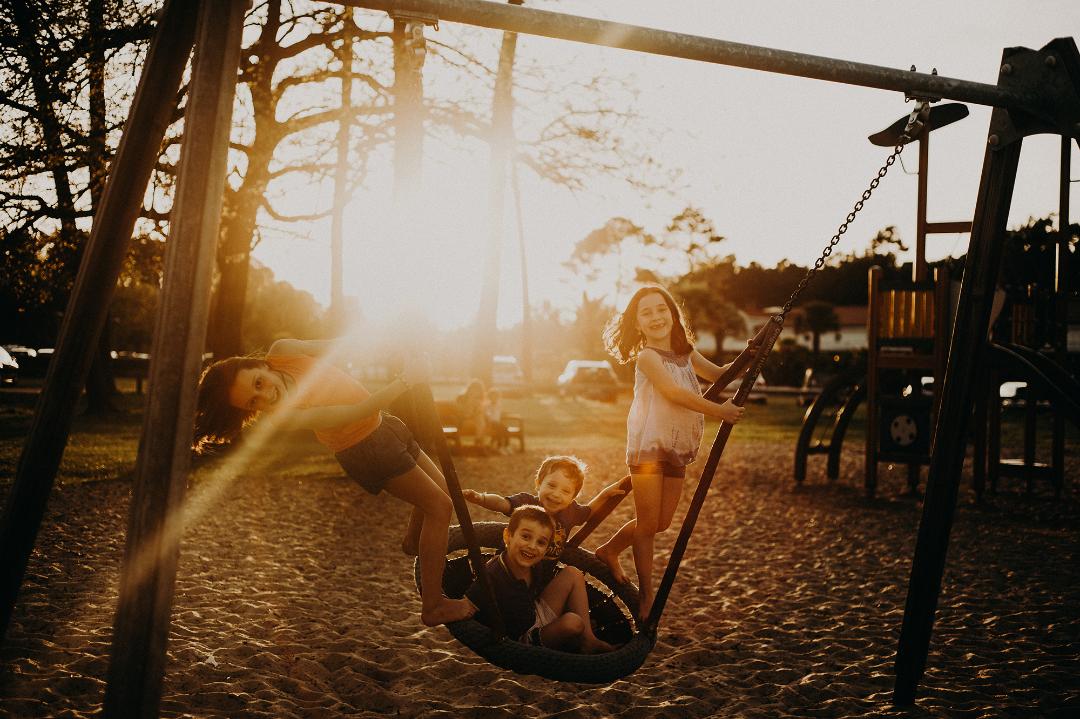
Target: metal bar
x,y
873,334
695,47
91,296
947,227
1060,336
967,352
147,582
920,269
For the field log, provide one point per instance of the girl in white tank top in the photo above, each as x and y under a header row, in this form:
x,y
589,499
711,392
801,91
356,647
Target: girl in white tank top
x,y
665,423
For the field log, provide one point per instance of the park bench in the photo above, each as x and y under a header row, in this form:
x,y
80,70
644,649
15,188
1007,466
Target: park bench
x,y
448,417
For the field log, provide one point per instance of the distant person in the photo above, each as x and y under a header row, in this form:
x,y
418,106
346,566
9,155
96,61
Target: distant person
x,y
498,434
299,391
559,480
471,409
554,615
664,425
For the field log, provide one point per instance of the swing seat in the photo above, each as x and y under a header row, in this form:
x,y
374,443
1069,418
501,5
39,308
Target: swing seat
x,y
609,604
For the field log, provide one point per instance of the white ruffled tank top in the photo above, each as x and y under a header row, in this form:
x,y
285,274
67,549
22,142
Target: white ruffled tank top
x,y
657,429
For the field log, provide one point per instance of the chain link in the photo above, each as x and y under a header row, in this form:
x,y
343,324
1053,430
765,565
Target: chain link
x,y
915,120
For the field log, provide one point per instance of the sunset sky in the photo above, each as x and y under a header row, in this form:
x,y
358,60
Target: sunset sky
x,y
776,162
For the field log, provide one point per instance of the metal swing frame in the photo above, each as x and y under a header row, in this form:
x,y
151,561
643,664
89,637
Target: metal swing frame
x,y
1038,91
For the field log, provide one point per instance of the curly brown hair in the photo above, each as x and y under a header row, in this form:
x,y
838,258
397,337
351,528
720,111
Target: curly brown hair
x,y
622,338
216,421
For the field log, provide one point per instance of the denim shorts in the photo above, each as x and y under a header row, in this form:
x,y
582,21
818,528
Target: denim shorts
x,y
390,451
666,469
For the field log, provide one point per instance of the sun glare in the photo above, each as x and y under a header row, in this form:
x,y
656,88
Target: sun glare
x,y
422,255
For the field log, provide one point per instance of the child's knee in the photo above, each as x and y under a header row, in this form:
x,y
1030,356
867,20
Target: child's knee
x,y
647,526
440,509
574,624
573,574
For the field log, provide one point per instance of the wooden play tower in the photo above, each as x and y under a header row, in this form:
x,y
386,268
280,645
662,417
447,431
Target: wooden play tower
x,y
1038,91
908,331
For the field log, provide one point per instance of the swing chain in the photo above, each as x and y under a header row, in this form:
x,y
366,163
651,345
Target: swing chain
x,y
915,123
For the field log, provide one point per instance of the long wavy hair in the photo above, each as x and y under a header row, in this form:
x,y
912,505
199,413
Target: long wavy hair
x,y
216,421
622,338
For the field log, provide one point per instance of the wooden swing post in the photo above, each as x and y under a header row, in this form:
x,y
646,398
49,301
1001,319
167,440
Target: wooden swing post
x,y
88,305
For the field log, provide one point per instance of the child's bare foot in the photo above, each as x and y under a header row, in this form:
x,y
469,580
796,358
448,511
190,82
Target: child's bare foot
x,y
448,610
592,645
611,559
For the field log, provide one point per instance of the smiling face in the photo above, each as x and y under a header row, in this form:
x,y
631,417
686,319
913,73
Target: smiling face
x,y
527,545
654,319
556,490
257,389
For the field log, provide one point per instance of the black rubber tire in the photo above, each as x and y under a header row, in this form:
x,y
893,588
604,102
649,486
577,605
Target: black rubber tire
x,y
541,661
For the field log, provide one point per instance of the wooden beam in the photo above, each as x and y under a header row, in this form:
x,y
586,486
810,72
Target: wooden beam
x,y
88,305
920,268
141,627
966,356
545,23
939,228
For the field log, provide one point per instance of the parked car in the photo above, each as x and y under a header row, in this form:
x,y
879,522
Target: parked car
x,y
757,392
592,379
32,362
9,368
506,375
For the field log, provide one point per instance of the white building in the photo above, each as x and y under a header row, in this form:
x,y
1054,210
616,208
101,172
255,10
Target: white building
x,y
850,336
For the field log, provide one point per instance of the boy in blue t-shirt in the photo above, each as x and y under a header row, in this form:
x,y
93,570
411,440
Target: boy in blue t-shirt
x,y
558,482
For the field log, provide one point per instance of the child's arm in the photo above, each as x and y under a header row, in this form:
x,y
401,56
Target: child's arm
x,y
487,500
653,367
338,415
705,368
615,489
311,348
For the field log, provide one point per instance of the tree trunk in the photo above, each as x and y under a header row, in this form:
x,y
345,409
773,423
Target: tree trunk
x,y
337,242
100,386
526,313
240,209
40,76
502,133
233,260
101,389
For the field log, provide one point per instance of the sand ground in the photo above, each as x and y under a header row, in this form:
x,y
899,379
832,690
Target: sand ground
x,y
294,600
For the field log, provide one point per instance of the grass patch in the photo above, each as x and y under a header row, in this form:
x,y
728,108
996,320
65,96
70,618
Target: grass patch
x,y
98,447
102,448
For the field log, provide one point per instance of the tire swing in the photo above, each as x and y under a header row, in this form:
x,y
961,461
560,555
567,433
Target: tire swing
x,y
610,603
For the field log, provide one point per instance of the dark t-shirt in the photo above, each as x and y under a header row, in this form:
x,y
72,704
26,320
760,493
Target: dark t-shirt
x,y
516,599
565,520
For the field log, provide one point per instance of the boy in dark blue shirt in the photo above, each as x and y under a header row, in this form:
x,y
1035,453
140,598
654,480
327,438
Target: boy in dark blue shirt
x,y
555,615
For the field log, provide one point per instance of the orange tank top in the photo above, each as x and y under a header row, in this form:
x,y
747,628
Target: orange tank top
x,y
322,385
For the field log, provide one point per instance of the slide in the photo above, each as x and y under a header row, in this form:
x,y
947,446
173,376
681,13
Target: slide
x,y
1050,377
841,396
